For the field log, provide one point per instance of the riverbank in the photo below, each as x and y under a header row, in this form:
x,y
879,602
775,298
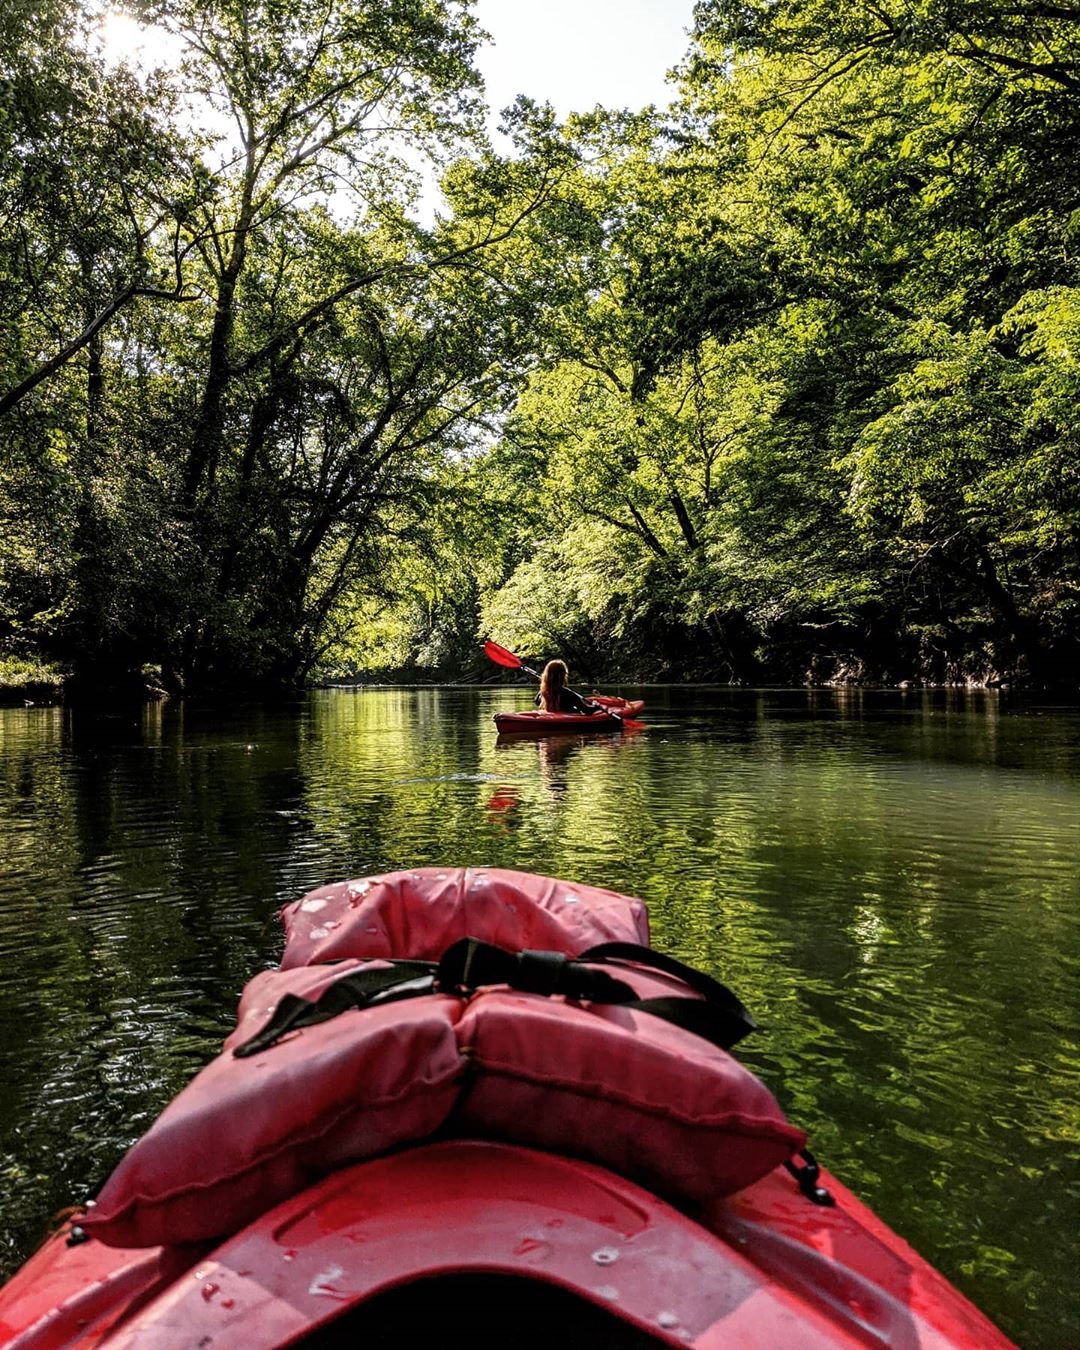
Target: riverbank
x,y
29,682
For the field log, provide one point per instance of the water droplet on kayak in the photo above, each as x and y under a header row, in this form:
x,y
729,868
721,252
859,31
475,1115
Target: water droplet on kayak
x,y
313,905
606,1291
569,899
667,1319
288,1256
317,933
209,1290
535,1248
228,1303
324,1282
605,1256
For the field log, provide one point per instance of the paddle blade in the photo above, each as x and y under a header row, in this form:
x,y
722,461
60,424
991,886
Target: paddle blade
x,y
502,657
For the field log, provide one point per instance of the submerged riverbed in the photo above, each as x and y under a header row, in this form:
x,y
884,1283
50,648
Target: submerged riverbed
x,y
890,881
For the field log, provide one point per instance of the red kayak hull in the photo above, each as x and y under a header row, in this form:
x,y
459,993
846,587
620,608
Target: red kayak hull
x,y
766,1268
389,1231
539,723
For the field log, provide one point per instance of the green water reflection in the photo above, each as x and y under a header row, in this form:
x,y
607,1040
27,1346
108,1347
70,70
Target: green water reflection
x,y
891,882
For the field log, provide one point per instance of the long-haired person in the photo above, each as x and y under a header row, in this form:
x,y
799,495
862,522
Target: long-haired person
x,y
554,696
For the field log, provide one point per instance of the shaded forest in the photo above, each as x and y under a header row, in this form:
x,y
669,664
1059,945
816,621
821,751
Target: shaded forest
x,y
775,384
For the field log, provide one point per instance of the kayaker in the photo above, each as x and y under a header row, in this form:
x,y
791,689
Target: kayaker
x,y
554,696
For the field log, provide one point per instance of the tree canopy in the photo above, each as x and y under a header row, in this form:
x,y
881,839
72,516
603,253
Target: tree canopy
x,y
774,384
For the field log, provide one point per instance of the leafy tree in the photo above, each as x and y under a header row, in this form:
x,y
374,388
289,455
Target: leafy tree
x,y
88,173
243,459
775,384
908,167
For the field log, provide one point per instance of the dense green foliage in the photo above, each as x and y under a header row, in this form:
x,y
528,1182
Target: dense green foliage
x,y
775,384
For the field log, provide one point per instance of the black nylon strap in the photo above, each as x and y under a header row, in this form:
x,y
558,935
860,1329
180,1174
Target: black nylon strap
x,y
470,963
728,1009
718,1016
716,1025
467,965
362,989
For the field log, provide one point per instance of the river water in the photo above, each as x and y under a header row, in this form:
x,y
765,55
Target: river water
x,y
890,881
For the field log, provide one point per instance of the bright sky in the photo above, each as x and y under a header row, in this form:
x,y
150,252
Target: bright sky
x,y
572,53
577,53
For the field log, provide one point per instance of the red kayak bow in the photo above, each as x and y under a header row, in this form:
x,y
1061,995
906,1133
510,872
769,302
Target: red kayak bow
x,y
553,1146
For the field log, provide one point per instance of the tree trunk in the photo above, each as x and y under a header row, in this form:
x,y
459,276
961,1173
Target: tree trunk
x,y
207,438
1023,633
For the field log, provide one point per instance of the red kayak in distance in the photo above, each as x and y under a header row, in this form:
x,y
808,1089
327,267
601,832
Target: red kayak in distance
x,y
474,1108
613,714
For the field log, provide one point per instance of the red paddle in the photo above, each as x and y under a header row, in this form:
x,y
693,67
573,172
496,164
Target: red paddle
x,y
502,657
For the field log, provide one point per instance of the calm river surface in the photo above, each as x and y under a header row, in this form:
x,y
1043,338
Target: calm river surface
x,y
890,881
